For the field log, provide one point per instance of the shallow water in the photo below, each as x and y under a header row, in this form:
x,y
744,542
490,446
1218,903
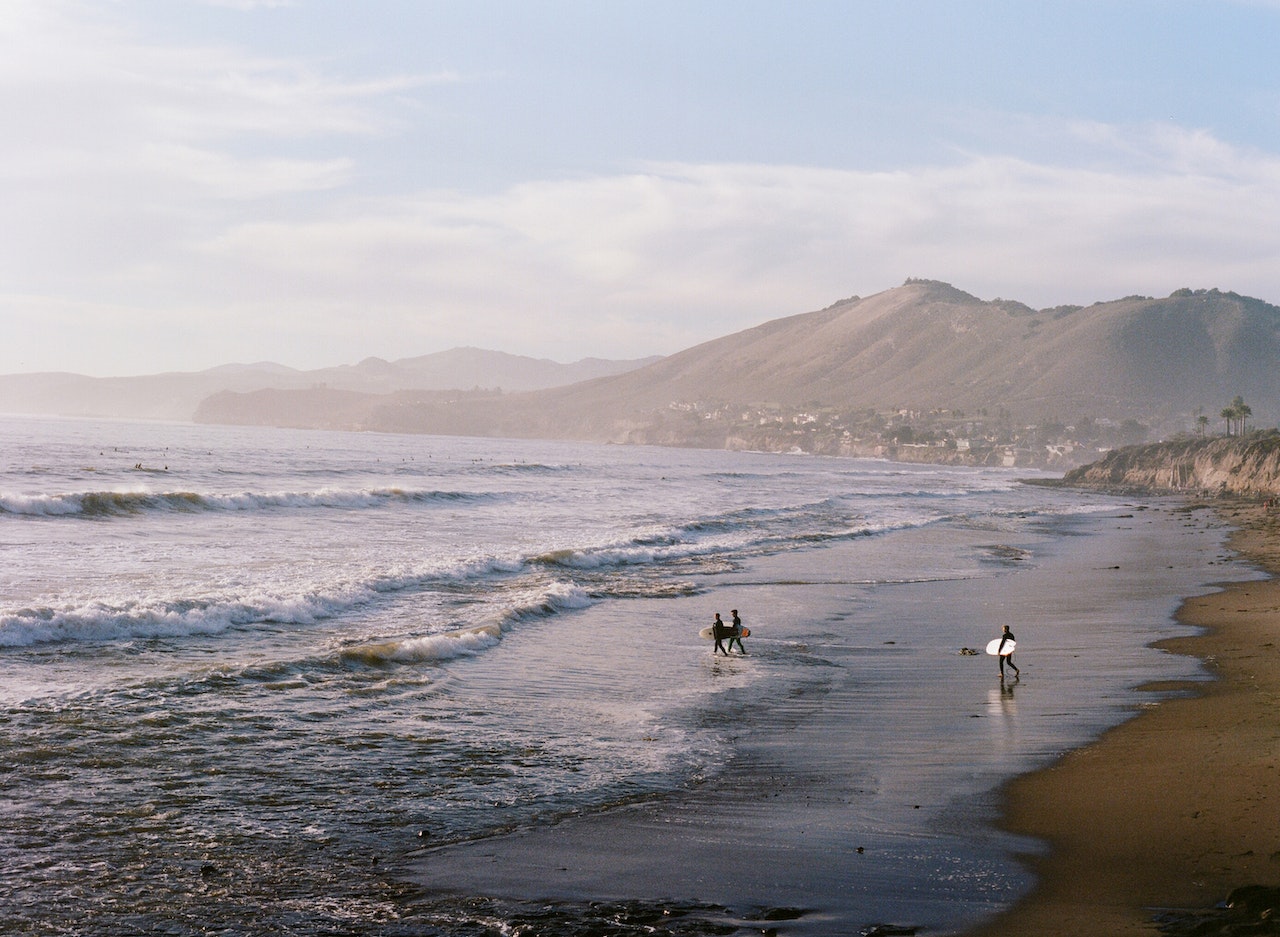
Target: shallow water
x,y
248,676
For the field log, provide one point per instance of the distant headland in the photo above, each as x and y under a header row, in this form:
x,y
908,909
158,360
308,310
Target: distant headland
x,y
1247,465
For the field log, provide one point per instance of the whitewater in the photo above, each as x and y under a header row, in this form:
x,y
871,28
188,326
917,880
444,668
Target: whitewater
x,y
249,677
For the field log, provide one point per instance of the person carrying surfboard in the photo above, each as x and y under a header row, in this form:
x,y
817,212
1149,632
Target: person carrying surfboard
x,y
735,633
1006,636
719,630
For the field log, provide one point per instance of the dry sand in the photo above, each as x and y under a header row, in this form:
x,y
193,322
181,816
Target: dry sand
x,y
1174,809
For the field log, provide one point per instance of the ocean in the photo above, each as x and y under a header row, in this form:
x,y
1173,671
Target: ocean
x,y
268,681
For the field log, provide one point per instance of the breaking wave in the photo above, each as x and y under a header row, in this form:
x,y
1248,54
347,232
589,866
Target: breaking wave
x,y
97,504
101,621
465,642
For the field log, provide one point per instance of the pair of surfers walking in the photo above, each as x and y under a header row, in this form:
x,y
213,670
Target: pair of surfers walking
x,y
734,632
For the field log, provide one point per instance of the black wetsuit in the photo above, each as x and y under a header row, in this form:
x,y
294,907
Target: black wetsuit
x,y
718,629
735,634
1007,636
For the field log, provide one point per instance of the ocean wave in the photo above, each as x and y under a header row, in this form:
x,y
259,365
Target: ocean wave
x,y
812,514
617,555
517,469
101,621
471,640
461,642
745,531
100,504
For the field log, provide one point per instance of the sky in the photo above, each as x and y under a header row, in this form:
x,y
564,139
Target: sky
x,y
191,183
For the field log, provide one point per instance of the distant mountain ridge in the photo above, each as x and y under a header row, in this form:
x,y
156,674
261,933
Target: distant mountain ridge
x,y
929,345
922,347
177,395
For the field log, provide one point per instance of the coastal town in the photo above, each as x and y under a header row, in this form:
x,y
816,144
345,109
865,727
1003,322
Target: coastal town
x,y
954,437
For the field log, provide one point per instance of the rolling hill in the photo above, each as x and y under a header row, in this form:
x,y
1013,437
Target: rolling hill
x,y
927,345
923,346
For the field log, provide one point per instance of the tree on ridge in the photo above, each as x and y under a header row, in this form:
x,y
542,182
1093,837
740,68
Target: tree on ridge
x,y
1237,414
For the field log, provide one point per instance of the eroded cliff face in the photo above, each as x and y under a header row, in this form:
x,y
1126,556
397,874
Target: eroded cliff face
x,y
1241,465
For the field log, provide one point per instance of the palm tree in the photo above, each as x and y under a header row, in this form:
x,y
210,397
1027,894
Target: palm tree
x,y
1202,423
1228,414
1237,413
1243,412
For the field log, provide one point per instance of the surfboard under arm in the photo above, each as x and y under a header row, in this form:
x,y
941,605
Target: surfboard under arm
x,y
709,632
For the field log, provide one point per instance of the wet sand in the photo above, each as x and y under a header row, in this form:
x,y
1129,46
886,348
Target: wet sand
x,y
1174,809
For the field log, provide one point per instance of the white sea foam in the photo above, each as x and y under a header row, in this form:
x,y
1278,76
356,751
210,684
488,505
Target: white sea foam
x,y
96,623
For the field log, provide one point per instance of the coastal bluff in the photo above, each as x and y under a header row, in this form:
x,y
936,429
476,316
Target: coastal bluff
x,y
1246,465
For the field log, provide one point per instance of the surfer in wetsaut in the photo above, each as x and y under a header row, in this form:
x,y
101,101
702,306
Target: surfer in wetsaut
x,y
735,632
1006,635
719,630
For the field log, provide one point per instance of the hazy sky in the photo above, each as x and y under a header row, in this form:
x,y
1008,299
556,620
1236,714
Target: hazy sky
x,y
186,183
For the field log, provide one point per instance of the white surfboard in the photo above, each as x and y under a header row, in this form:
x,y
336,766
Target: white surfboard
x,y
994,647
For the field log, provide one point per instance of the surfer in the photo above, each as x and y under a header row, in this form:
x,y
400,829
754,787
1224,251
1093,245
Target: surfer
x,y
718,631
1006,635
735,633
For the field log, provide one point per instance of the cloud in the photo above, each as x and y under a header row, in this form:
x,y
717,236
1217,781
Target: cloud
x,y
656,260
214,201
660,259
224,176
77,90
121,150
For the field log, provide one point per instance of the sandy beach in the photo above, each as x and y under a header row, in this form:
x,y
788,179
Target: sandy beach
x,y
1168,813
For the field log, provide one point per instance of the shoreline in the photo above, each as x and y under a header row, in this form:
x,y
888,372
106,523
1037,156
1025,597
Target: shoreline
x,y
1165,815
820,768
